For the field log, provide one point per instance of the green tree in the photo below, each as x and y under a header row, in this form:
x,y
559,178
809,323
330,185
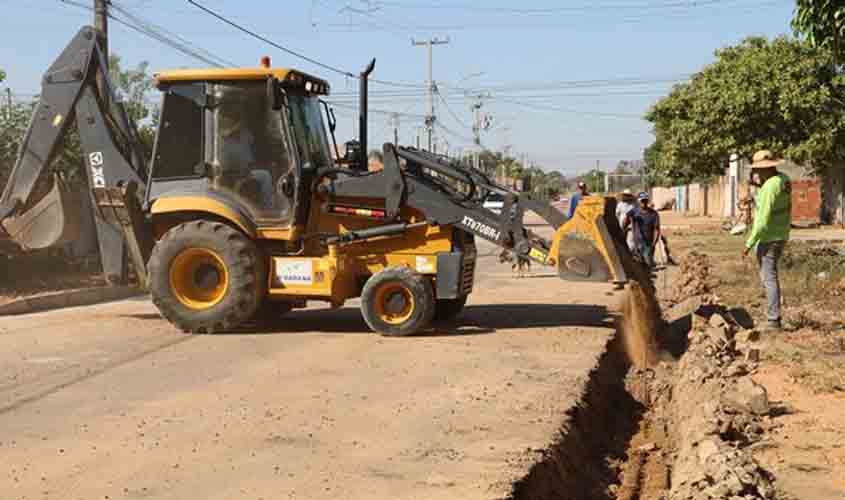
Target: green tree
x,y
594,179
780,95
2,75
822,23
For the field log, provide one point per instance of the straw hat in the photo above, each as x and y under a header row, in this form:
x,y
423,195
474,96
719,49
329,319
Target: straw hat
x,y
765,159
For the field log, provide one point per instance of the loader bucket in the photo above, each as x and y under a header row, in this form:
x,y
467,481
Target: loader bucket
x,y
591,246
53,220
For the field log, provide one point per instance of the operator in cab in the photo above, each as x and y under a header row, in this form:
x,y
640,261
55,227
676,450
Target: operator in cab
x,y
238,149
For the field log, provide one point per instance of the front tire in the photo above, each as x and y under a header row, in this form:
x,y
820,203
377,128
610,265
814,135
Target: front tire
x,y
397,302
206,277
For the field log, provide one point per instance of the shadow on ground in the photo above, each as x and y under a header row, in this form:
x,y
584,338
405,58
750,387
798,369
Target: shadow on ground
x,y
475,320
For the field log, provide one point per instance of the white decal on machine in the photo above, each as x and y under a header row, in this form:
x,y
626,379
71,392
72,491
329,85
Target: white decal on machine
x,y
294,272
424,265
483,229
98,177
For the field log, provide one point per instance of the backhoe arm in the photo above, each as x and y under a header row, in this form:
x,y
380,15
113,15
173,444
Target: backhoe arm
x,y
112,155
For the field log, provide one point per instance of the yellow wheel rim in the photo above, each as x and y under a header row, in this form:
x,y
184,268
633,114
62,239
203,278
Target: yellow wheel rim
x,y
198,278
394,304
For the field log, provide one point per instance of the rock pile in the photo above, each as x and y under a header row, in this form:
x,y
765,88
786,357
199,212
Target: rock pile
x,y
718,411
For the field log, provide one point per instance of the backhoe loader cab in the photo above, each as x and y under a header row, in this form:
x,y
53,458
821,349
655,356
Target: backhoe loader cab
x,y
242,210
244,138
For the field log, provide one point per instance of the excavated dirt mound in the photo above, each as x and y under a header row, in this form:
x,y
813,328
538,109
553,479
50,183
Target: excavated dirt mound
x,y
694,277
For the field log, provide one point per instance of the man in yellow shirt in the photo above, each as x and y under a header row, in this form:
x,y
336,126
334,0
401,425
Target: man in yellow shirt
x,y
770,231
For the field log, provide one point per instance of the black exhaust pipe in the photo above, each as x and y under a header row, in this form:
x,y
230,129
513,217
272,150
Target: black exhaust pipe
x,y
362,117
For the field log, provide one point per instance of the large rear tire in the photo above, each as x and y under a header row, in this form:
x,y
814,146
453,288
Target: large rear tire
x,y
206,277
397,302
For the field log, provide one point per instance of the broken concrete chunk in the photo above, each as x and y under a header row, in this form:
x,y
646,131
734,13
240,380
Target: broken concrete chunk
x,y
718,335
648,447
699,321
736,370
717,320
746,336
746,395
706,449
752,355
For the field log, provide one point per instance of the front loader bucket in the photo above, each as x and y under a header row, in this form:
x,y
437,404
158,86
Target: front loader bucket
x,y
54,220
591,246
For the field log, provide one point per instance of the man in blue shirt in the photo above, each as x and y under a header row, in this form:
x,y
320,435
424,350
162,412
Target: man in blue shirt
x,y
573,202
646,228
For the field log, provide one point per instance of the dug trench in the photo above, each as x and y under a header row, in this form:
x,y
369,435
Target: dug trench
x,y
670,412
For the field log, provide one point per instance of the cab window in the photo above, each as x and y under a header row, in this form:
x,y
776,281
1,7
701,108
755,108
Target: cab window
x,y
179,144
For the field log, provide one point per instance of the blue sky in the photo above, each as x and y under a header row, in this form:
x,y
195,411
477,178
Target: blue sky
x,y
565,82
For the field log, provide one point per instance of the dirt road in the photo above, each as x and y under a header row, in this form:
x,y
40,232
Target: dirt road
x,y
111,402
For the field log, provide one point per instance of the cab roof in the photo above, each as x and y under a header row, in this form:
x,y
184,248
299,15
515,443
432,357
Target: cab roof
x,y
288,77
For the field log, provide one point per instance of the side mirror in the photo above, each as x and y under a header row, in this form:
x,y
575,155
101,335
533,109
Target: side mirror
x,y
274,94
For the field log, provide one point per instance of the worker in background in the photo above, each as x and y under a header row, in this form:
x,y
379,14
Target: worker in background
x,y
573,202
625,205
644,221
770,232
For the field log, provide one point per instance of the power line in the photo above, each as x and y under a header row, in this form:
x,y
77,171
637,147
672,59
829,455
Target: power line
x,y
150,30
551,10
170,38
377,111
293,52
450,110
565,110
451,132
600,19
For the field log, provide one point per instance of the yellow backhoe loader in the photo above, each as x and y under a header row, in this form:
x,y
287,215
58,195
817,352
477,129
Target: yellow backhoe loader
x,y
243,210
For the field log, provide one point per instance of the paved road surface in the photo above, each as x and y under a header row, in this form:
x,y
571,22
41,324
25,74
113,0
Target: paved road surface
x,y
111,402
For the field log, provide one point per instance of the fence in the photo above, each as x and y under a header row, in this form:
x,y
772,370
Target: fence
x,y
814,199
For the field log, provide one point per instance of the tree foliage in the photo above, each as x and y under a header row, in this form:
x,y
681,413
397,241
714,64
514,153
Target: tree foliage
x,y
594,179
822,23
781,95
2,75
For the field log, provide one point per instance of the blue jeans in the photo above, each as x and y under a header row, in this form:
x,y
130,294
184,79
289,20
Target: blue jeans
x,y
647,253
768,255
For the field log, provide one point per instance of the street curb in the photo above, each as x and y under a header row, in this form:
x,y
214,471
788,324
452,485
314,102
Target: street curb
x,y
71,298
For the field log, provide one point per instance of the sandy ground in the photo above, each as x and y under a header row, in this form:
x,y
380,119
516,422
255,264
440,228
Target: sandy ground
x,y
806,451
111,402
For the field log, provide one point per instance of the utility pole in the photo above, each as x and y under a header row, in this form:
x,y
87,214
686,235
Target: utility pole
x,y
395,129
9,103
478,124
101,23
430,118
